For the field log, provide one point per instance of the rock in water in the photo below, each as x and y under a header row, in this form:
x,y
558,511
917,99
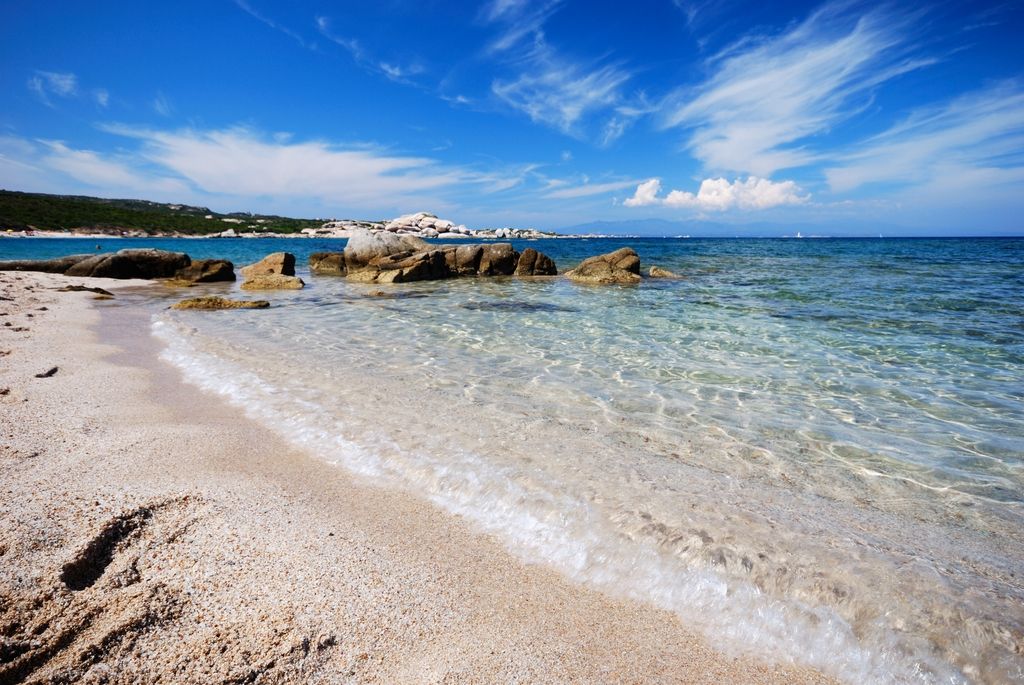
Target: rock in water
x,y
207,271
467,259
658,272
220,303
498,259
50,266
131,264
534,263
621,266
273,282
364,247
279,263
328,263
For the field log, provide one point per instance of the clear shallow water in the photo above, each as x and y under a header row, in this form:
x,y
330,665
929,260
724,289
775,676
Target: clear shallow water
x,y
810,449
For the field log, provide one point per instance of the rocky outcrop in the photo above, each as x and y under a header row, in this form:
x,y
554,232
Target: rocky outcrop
x,y
621,266
364,248
131,264
50,266
206,271
328,263
658,272
220,303
121,264
392,258
498,259
534,263
273,282
279,263
464,260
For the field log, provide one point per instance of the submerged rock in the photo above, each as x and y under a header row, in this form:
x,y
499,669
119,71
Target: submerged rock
x,y
621,266
279,263
328,263
85,289
219,303
658,272
273,282
207,271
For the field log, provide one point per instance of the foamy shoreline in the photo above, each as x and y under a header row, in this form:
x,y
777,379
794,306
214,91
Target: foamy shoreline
x,y
219,552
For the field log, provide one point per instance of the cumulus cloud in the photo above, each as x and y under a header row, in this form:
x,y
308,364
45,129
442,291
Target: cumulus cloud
x,y
718,195
768,95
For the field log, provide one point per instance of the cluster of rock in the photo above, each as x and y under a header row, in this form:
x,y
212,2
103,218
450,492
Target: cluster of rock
x,y
389,257
421,224
145,264
369,257
274,272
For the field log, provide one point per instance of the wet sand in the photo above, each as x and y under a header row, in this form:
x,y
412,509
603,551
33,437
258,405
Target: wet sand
x,y
151,533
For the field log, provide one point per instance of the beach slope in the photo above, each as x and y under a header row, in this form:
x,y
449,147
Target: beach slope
x,y
151,533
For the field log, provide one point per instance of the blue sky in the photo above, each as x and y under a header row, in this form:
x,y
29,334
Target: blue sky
x,y
835,115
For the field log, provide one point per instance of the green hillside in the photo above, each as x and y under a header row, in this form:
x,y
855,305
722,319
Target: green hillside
x,y
23,211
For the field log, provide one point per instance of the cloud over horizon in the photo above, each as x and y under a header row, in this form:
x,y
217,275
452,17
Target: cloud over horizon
x,y
719,195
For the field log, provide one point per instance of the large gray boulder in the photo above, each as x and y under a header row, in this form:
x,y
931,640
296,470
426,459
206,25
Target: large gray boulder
x,y
364,247
143,263
621,266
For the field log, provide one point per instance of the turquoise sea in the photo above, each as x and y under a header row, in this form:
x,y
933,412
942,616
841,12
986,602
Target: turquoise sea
x,y
808,449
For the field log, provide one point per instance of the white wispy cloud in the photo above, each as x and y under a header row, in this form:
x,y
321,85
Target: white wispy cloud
x,y
560,93
548,86
768,96
105,171
242,167
587,189
392,69
975,136
162,105
718,194
522,20
259,16
46,83
101,96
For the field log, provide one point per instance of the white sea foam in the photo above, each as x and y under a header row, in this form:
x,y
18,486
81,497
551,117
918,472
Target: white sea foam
x,y
542,524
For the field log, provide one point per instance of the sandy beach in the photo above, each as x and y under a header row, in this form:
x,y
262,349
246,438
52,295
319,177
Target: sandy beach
x,y
151,533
